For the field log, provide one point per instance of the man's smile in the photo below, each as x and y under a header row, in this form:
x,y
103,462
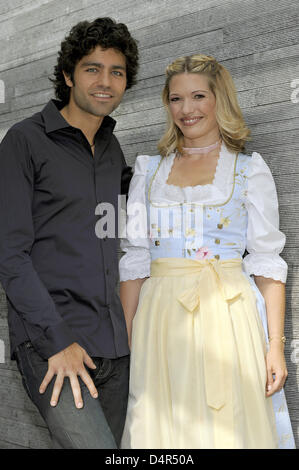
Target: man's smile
x,y
102,96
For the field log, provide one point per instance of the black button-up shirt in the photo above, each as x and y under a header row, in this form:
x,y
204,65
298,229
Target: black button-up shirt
x,y
60,278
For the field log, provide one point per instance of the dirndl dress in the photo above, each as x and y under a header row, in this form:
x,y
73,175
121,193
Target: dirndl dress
x,y
199,338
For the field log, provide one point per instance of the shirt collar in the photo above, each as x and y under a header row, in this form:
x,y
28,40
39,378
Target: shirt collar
x,y
54,120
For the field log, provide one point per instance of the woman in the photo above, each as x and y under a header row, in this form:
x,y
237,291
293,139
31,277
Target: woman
x,y
204,352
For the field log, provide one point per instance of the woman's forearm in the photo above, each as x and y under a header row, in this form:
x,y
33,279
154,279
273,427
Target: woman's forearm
x,y
129,296
274,295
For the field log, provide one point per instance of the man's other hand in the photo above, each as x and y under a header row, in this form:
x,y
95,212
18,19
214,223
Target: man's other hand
x,y
69,363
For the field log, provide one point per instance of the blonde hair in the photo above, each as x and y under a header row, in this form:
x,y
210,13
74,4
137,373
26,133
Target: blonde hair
x,y
232,127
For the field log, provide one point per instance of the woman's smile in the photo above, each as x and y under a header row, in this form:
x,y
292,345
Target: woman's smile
x,y
191,121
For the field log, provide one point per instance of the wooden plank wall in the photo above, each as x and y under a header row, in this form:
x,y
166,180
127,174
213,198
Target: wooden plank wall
x,y
258,40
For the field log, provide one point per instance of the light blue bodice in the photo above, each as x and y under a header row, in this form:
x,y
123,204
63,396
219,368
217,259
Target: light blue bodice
x,y
197,231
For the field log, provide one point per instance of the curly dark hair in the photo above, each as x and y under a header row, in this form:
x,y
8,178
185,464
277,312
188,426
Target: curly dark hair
x,y
81,41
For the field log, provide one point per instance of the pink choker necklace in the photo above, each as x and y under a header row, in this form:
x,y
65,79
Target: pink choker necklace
x,y
192,150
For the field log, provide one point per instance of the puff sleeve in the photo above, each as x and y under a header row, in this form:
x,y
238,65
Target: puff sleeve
x,y
265,241
135,263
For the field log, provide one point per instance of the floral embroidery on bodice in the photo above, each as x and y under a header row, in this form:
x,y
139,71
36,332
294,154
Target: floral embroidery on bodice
x,y
193,229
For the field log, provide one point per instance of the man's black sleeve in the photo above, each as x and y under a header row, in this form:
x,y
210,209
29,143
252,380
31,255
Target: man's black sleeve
x,y
126,176
21,283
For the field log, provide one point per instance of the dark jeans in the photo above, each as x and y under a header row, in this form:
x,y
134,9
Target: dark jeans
x,y
99,424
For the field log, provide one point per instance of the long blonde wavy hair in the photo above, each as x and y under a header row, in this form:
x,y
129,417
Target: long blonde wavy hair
x,y
232,127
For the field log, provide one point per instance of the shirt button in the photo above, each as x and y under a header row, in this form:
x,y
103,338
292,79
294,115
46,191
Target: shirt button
x,y
217,241
157,243
220,226
217,256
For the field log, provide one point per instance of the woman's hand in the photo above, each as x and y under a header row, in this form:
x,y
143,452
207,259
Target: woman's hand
x,y
275,362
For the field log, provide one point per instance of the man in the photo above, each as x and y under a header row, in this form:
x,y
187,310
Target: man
x,y
65,318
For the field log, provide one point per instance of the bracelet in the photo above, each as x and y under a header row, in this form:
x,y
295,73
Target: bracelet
x,y
282,338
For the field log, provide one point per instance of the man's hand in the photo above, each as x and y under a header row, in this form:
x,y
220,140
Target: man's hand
x,y
69,363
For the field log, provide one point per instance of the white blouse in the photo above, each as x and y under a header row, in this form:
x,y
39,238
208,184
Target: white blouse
x,y
264,239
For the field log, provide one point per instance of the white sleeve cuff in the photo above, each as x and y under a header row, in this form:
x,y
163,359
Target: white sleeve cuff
x,y
269,265
135,264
